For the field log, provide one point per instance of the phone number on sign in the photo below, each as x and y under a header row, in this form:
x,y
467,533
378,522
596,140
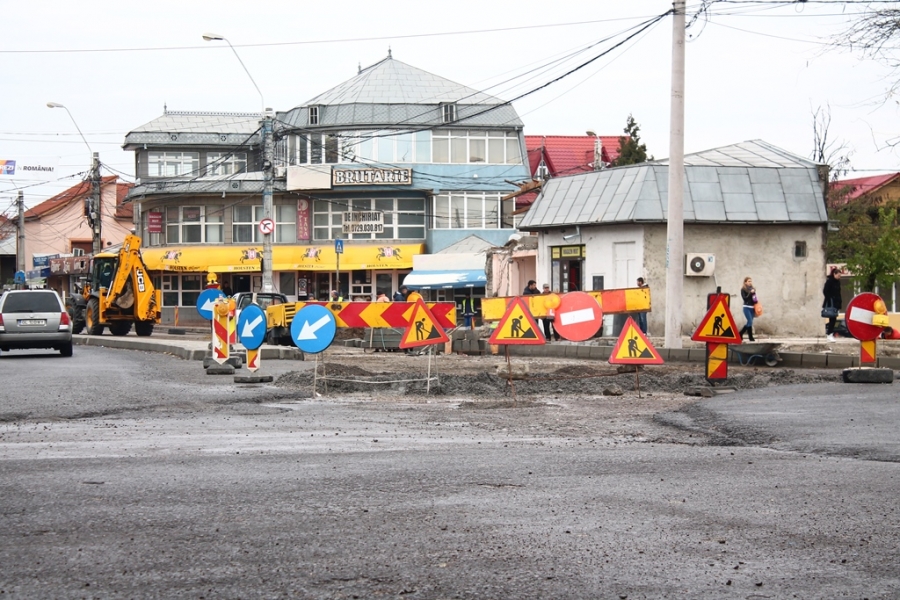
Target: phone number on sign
x,y
363,228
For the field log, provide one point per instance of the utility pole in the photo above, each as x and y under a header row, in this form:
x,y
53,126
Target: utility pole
x,y
20,246
675,220
93,207
268,150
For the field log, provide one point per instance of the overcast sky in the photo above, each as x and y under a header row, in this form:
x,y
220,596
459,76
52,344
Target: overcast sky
x,y
754,71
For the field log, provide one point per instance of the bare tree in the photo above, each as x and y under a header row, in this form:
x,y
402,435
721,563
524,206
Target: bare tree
x,y
875,35
829,152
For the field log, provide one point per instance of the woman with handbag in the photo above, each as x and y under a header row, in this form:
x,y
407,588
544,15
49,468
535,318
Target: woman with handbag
x,y
748,295
832,304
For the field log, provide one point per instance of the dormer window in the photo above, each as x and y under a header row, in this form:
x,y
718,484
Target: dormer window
x,y
448,113
313,115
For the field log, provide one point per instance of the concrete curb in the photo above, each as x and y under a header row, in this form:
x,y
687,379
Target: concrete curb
x,y
188,349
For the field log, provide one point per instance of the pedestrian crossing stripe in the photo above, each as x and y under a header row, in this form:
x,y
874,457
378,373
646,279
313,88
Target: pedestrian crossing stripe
x,y
422,329
517,326
633,347
718,325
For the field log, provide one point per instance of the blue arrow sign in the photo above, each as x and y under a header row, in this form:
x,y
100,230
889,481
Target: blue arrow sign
x,y
313,328
206,301
251,326
338,246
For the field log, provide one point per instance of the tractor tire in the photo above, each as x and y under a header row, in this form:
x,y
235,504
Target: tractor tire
x,y
92,317
143,328
119,328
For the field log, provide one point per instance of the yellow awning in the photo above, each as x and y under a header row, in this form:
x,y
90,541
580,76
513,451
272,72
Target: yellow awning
x,y
237,259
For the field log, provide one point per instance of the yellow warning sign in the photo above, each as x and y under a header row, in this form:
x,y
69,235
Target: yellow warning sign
x,y
517,326
717,325
633,347
423,329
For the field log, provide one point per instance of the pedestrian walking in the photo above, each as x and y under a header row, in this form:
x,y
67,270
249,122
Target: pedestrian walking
x,y
531,288
548,321
748,295
833,303
400,295
382,297
469,312
642,316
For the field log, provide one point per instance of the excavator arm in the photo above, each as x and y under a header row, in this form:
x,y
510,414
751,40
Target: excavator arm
x,y
131,284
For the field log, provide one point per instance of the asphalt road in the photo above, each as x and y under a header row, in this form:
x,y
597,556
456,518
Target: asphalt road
x,y
133,475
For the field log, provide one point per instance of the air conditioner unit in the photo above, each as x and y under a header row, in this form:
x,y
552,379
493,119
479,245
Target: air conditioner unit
x,y
280,172
234,185
700,265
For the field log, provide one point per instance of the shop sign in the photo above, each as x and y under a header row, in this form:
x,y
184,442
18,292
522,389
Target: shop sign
x,y
371,176
367,221
154,222
567,252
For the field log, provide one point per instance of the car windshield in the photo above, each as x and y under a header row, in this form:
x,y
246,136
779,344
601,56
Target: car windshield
x,y
31,302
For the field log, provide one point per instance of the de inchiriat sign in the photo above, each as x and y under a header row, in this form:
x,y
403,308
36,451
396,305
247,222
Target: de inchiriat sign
x,y
371,177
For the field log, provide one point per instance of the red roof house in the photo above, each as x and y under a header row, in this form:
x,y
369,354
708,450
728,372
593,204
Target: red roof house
x,y
876,189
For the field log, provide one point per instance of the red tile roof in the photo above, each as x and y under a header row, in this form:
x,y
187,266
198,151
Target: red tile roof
x,y
568,154
77,193
861,186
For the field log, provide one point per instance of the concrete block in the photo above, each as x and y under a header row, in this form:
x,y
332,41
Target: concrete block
x,y
571,351
867,375
889,362
582,351
599,352
555,350
678,354
814,361
217,369
235,361
841,361
790,359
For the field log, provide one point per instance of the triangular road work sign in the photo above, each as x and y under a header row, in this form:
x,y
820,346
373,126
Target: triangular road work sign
x,y
423,329
517,326
633,347
718,324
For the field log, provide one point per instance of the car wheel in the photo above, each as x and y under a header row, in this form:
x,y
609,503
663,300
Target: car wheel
x,y
92,317
65,350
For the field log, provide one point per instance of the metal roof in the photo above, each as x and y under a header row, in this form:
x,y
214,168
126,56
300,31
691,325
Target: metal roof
x,y
744,183
391,93
391,81
193,128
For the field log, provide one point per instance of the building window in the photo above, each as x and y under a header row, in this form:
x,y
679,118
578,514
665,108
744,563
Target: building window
x,y
173,164
448,113
245,224
179,290
194,224
404,218
799,249
469,210
313,115
226,163
461,146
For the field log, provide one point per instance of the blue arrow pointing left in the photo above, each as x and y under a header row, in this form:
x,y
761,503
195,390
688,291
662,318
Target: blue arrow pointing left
x,y
251,326
313,328
206,300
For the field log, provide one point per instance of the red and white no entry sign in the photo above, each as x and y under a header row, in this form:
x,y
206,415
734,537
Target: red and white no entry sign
x,y
266,226
578,316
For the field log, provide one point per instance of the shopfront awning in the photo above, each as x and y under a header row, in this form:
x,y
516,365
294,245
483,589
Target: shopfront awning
x,y
435,280
237,259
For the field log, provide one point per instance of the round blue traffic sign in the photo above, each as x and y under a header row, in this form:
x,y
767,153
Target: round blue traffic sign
x,y
313,328
206,301
251,326
19,277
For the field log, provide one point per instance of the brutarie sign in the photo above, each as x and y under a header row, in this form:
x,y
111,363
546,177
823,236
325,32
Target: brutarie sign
x,y
371,177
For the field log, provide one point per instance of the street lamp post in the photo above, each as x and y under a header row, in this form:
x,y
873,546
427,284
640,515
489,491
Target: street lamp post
x,y
268,152
92,208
